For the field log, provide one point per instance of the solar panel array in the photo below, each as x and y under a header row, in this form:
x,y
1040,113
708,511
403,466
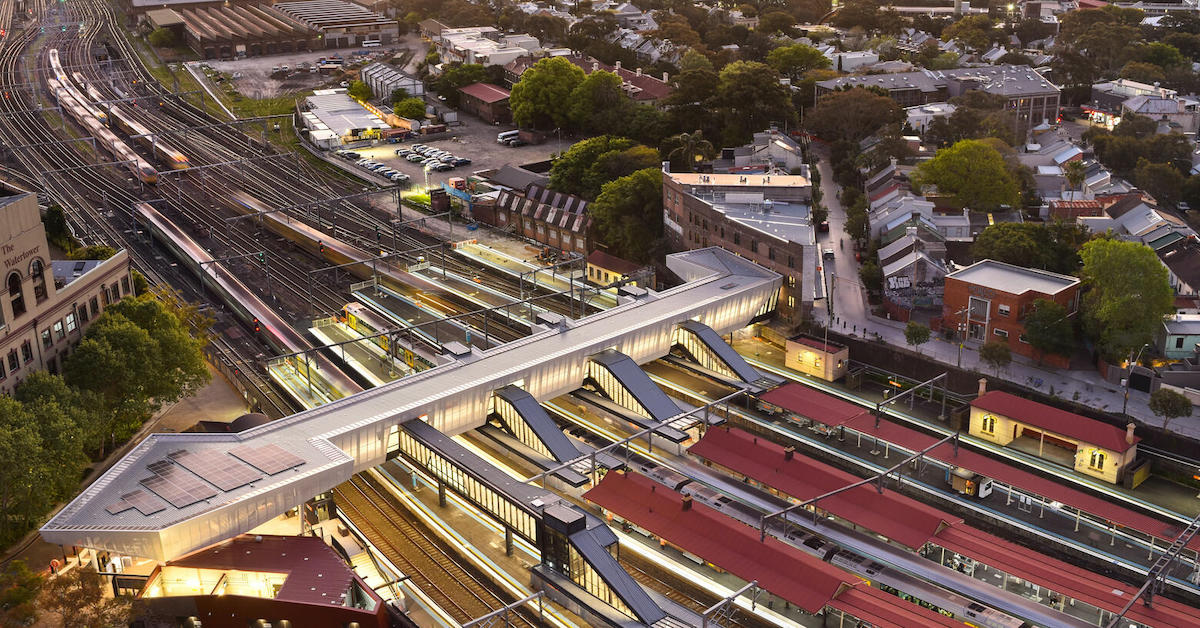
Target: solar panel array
x,y
269,459
139,499
223,471
174,484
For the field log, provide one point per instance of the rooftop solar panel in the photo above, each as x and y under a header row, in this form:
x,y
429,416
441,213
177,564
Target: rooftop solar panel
x,y
174,484
141,500
269,459
221,470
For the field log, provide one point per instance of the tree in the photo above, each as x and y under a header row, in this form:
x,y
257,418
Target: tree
x,y
871,275
975,31
411,108
598,103
795,60
1074,171
776,22
1162,181
95,251
1014,58
692,60
751,98
360,91
851,115
541,99
1161,54
916,334
79,595
688,150
1169,404
588,165
973,174
1142,72
19,588
161,38
1128,294
628,214
398,95
996,354
1053,247
1048,329
458,75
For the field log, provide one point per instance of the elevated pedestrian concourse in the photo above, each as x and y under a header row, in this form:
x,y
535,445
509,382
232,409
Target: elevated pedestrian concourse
x,y
699,342
150,505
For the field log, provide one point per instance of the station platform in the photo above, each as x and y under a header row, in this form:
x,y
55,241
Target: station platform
x,y
365,357
899,517
405,313
797,577
474,291
309,392
516,267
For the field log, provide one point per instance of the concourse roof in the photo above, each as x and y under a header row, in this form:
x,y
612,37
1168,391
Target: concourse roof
x,y
891,514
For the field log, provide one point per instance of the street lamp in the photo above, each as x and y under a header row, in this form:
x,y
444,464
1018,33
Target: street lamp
x,y
1129,375
962,333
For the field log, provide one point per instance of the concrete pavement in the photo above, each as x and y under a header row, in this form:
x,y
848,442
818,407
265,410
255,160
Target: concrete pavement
x,y
850,315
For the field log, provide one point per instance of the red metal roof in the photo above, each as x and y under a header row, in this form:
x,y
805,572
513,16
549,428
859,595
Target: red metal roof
x,y
1064,577
315,573
990,467
789,573
885,610
485,91
1054,420
812,403
611,262
895,516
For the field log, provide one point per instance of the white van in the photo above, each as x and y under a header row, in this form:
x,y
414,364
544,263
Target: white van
x,y
372,44
507,135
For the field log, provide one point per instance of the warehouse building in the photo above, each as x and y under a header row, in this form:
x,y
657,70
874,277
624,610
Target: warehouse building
x,y
229,31
332,118
342,24
383,79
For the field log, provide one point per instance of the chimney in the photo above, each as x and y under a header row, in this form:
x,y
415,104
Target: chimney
x,y
618,65
686,502
1129,433
982,386
666,77
639,71
789,453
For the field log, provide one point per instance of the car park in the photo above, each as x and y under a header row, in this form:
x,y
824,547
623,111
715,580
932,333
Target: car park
x,y
461,161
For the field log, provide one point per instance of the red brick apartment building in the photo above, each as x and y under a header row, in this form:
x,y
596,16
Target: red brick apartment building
x,y
763,218
989,300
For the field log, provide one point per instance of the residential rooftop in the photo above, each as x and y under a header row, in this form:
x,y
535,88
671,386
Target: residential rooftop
x,y
1013,279
1006,80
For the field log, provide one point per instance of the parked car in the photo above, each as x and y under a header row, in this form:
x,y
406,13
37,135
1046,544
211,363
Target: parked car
x,y
516,141
415,158
447,159
441,167
403,152
461,161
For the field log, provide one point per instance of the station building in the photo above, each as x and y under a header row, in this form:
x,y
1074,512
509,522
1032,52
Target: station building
x,y
989,300
765,218
46,304
1089,446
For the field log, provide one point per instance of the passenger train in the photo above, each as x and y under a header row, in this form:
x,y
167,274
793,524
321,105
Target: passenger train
x,y
83,108
891,580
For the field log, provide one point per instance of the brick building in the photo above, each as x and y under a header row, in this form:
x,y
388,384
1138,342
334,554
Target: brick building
x,y
554,219
45,305
764,218
989,301
487,101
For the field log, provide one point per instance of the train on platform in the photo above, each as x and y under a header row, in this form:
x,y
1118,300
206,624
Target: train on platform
x,y
874,573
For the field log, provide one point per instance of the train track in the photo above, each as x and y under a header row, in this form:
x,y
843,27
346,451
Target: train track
x,y
689,596
431,566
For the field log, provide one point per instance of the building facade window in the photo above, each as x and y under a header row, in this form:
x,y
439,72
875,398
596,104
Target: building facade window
x,y
59,331
47,341
1097,459
1179,343
95,304
988,424
16,295
1001,333
14,362
26,352
37,272
70,320
1003,310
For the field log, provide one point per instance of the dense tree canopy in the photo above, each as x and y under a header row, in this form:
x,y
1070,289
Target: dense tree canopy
x,y
359,90
628,214
1053,247
1049,328
541,99
458,75
974,174
413,108
1128,294
589,164
796,60
597,104
752,98
851,115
